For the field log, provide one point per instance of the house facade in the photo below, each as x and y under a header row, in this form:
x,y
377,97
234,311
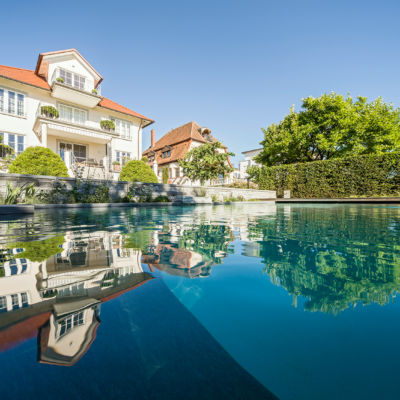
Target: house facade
x,y
60,105
173,146
248,162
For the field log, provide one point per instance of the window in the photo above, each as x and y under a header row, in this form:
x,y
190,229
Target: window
x,y
24,300
122,156
3,304
72,114
166,154
79,151
72,79
122,127
177,172
12,102
14,302
17,142
71,321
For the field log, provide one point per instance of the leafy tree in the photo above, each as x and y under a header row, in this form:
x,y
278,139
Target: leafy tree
x,y
206,162
332,126
137,171
39,161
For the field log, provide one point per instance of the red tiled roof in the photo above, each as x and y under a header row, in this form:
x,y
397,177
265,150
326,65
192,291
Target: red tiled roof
x,y
180,134
112,105
180,140
24,75
29,77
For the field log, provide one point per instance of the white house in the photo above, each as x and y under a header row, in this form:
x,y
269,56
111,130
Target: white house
x,y
66,81
248,162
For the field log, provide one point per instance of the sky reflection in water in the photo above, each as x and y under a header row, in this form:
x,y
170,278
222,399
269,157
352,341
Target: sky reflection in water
x,y
301,297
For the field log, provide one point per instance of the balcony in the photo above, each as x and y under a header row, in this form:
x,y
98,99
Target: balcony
x,y
66,128
74,88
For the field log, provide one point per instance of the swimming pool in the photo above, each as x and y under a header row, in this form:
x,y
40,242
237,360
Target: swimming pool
x,y
247,301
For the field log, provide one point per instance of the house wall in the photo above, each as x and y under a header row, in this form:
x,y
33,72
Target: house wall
x,y
23,125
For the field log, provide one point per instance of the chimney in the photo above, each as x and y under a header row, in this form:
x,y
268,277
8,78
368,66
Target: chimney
x,y
153,138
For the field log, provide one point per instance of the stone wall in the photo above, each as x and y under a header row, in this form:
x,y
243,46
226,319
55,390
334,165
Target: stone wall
x,y
118,190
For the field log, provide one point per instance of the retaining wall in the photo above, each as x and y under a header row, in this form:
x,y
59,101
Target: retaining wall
x,y
118,190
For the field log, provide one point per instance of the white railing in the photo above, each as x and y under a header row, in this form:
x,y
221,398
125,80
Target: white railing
x,y
75,81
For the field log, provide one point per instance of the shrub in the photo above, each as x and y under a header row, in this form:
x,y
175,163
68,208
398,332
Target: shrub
x,y
49,111
107,124
161,199
357,176
165,175
145,159
38,161
137,171
94,91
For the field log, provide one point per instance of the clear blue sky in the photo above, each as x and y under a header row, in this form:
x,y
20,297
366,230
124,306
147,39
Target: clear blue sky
x,y
234,66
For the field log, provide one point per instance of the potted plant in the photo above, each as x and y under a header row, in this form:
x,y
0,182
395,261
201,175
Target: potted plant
x,y
49,112
107,125
94,91
117,166
60,80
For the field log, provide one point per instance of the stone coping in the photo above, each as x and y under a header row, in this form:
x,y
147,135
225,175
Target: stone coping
x,y
365,200
16,209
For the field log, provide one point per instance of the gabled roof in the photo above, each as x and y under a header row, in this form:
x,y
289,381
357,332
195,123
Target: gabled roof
x,y
29,77
182,133
43,71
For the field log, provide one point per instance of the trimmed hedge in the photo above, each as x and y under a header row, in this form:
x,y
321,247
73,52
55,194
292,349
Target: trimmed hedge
x,y
137,171
38,161
357,176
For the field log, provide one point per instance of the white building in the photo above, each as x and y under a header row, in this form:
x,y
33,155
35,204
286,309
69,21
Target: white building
x,y
248,162
67,82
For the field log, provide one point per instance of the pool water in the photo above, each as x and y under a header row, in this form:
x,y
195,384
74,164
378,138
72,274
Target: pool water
x,y
246,301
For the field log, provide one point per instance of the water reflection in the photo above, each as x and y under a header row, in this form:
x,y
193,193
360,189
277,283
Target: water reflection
x,y
57,270
56,286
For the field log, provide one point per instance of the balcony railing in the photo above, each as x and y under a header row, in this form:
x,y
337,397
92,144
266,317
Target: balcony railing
x,y
75,81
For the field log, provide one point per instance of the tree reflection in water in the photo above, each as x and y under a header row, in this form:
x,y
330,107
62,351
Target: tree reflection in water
x,y
333,256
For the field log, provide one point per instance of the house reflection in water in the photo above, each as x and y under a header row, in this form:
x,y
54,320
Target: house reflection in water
x,y
187,250
60,298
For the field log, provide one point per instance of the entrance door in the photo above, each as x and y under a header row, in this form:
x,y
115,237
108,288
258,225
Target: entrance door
x,y
79,151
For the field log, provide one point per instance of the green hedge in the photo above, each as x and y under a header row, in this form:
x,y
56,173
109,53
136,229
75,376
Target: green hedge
x,y
358,176
38,161
137,171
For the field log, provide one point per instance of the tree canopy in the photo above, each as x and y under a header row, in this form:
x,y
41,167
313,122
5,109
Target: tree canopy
x,y
332,126
206,162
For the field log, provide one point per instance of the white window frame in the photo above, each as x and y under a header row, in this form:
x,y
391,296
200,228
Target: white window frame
x,y
118,125
73,109
74,78
119,155
6,140
18,109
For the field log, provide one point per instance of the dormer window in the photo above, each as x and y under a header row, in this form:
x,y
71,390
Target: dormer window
x,y
72,79
166,154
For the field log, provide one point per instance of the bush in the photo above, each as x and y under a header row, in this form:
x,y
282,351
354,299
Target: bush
x,y
161,199
49,111
137,171
94,91
38,161
357,176
165,175
107,124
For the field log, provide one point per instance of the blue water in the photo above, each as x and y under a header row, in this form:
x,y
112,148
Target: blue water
x,y
244,301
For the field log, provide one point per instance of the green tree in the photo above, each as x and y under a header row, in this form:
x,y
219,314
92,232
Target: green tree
x,y
39,161
137,171
165,175
331,126
206,162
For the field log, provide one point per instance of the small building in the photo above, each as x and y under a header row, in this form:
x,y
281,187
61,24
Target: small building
x,y
60,105
248,162
173,146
